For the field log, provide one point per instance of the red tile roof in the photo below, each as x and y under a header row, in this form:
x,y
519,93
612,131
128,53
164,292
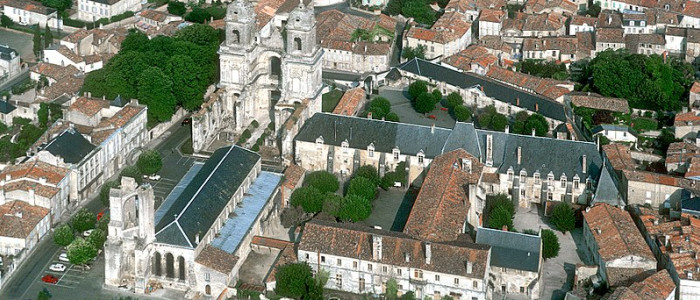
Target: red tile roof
x,y
615,233
270,242
686,119
442,205
351,102
18,218
216,259
34,170
619,156
451,26
55,72
492,15
473,54
293,176
695,88
597,101
89,106
693,168
29,5
679,239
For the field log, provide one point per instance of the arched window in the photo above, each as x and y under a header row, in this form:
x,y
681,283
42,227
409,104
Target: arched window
x,y
157,264
236,36
297,43
181,267
207,289
169,266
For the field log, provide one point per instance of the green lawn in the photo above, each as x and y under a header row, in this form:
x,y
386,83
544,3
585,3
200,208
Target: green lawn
x,y
331,99
644,124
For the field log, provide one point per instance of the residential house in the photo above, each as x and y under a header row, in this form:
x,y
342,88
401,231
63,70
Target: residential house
x,y
95,41
564,7
355,44
7,112
52,73
558,49
155,18
655,189
637,23
516,262
597,102
507,55
37,184
687,124
30,12
512,28
351,103
616,245
22,226
475,58
582,24
659,286
651,43
678,156
62,56
9,62
546,24
293,178
93,10
450,34
490,22
609,38
362,259
694,97
691,14
615,133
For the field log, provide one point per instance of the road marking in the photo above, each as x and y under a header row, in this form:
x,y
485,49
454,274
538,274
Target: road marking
x,y
38,277
56,284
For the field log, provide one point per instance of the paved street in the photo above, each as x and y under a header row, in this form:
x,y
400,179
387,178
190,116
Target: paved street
x,y
75,284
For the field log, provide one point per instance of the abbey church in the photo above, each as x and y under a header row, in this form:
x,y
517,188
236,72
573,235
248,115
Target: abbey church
x,y
270,73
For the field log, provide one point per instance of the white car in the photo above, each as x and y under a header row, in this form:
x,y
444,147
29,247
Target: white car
x,y
154,177
58,268
63,257
88,232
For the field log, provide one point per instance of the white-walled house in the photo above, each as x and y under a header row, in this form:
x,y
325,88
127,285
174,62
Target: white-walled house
x,y
449,35
616,133
29,12
22,226
62,56
93,10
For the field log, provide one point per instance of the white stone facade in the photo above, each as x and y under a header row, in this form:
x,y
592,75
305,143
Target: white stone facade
x,y
90,11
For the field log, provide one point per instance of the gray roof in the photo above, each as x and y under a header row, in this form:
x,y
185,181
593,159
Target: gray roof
x,y
607,190
463,136
70,145
361,132
612,127
200,203
6,107
7,53
502,92
511,250
542,154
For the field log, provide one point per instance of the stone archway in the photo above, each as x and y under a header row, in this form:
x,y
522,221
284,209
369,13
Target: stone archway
x,y
169,266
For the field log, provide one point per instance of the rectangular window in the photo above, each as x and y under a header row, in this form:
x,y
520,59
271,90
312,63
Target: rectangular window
x,y
369,267
522,289
339,281
354,265
398,272
418,274
384,269
437,278
323,259
207,277
475,284
339,262
362,285
456,281
371,153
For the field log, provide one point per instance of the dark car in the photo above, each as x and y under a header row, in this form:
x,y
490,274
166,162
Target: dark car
x,y
186,121
48,278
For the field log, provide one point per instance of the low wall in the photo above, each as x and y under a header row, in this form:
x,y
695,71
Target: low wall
x,y
159,129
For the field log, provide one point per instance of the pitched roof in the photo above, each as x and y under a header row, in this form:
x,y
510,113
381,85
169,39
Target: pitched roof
x,y
610,35
355,241
474,54
350,103
599,102
613,127
35,170
440,210
619,156
656,287
123,116
512,250
608,190
449,27
492,15
70,145
77,36
89,106
544,22
55,72
6,107
546,87
19,218
29,5
506,93
216,259
686,119
200,203
615,233
583,20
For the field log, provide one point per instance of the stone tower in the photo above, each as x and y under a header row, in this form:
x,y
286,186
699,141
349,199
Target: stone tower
x,y
302,63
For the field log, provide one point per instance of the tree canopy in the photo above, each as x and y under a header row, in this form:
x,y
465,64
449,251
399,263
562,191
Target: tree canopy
x,y
81,251
63,235
355,208
323,181
492,119
149,162
362,187
550,244
296,281
462,113
59,5
425,103
83,220
417,88
369,172
309,198
454,99
410,53
177,8
563,217
379,107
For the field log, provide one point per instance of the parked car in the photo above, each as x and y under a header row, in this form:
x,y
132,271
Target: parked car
x,y
63,257
104,212
87,233
154,177
48,278
58,267
186,121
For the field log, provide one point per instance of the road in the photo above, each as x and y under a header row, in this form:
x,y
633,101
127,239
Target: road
x,y
24,283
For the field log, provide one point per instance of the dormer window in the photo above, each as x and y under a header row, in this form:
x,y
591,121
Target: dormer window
x,y
319,142
396,153
667,7
536,175
345,146
421,157
370,150
576,181
562,180
510,174
550,179
523,176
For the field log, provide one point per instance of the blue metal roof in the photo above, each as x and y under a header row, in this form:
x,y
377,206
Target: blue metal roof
x,y
239,224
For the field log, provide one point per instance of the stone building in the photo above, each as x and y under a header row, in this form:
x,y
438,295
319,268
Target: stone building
x,y
616,245
451,33
22,225
198,239
93,10
264,77
516,262
29,12
362,259
9,62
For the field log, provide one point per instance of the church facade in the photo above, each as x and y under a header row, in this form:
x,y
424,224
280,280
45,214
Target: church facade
x,y
270,68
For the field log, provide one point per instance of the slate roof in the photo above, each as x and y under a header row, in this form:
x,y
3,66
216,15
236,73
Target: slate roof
x,y
607,190
355,241
385,135
6,107
201,202
70,145
505,93
511,250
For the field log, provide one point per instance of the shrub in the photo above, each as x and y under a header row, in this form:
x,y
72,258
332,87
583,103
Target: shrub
x,y
63,235
122,16
563,217
362,187
462,113
550,244
255,124
392,116
5,21
255,148
323,181
246,133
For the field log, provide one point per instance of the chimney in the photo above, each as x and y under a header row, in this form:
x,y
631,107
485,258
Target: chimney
x,y
684,109
428,253
517,101
584,164
196,238
609,19
18,214
520,155
537,107
376,247
489,149
470,267
666,238
432,129
507,129
533,131
599,231
8,177
504,228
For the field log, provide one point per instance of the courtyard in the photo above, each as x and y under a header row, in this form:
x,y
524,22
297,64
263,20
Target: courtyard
x,y
391,208
20,41
401,105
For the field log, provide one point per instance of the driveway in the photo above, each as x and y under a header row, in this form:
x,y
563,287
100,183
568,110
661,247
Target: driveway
x,y
559,271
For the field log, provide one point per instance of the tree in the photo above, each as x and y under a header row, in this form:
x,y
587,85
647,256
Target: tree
x,y
188,84
550,244
43,114
198,15
500,217
63,235
417,88
294,280
309,198
454,99
593,9
355,208
5,21
97,238
392,289
563,217
538,123
462,113
437,96
155,89
408,296
382,103
369,172
44,294
419,10
177,8
81,251
410,53
103,223
83,220
149,162
104,191
362,187
48,36
59,5
37,40
498,122
425,103
202,35
392,116
323,181
332,204
133,172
